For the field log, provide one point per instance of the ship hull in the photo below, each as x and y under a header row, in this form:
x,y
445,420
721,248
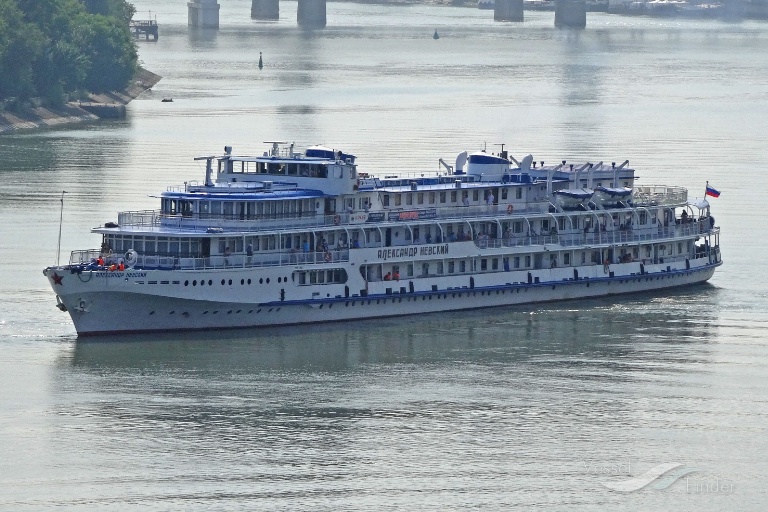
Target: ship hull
x,y
114,311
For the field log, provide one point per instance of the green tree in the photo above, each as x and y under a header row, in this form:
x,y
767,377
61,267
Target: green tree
x,y
120,9
111,51
50,47
21,44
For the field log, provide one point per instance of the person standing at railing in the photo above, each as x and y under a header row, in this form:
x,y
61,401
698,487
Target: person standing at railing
x,y
227,254
249,253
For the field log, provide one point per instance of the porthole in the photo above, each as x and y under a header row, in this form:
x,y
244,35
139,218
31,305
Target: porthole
x,y
242,282
194,283
261,280
229,312
249,281
205,312
172,312
222,282
230,282
279,279
267,280
210,282
238,311
151,313
186,283
202,282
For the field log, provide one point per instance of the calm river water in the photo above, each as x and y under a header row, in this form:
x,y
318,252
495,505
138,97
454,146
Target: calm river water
x,y
544,407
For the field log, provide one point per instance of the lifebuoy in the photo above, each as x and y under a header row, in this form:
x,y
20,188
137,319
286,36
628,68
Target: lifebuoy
x,y
131,257
509,208
337,219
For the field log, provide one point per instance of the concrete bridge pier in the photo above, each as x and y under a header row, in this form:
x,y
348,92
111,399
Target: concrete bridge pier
x,y
571,13
203,13
265,9
508,10
311,13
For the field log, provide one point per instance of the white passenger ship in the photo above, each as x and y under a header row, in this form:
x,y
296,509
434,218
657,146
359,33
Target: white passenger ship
x,y
289,238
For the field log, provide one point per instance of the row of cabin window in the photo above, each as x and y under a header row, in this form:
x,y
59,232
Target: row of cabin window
x,y
328,276
240,209
282,169
183,247
432,197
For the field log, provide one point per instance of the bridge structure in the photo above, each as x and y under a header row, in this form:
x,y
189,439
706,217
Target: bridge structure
x,y
312,13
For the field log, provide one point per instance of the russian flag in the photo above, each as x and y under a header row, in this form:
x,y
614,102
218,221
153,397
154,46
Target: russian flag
x,y
712,192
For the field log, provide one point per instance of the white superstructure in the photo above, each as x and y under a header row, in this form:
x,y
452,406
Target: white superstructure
x,y
291,237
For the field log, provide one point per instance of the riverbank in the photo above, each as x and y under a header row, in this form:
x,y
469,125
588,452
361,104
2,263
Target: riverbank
x,y
97,106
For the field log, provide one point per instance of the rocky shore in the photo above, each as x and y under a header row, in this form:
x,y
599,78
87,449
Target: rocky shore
x,y
96,106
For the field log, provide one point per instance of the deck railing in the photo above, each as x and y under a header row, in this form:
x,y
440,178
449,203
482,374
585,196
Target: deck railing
x,y
89,258
627,236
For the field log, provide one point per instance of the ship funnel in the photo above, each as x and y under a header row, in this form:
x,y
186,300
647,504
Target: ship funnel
x,y
525,163
461,160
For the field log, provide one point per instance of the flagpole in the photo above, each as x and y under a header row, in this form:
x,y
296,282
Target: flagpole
x,y
61,218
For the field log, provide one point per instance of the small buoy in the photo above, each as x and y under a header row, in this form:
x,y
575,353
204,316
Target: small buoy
x,y
167,100
261,63
436,36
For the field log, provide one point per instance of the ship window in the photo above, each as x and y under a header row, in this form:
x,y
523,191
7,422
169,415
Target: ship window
x,y
440,270
566,259
519,193
483,264
517,262
527,262
544,226
451,267
420,198
443,197
475,195
504,193
643,218
385,200
462,266
583,257
409,270
432,198
495,264
398,200
149,246
409,199
679,248
517,227
454,196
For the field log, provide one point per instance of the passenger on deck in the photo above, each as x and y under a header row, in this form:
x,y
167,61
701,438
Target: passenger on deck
x,y
388,276
396,276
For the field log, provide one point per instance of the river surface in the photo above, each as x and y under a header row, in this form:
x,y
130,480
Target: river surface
x,y
547,407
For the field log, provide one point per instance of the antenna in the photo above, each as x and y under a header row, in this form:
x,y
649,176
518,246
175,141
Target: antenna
x,y
61,217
